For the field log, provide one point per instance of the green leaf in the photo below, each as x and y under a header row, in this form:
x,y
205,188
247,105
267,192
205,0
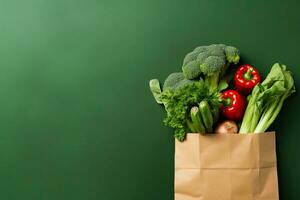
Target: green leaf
x,y
222,85
156,90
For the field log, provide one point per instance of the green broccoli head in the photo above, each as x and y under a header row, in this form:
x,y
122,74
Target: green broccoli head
x,y
172,80
176,80
209,60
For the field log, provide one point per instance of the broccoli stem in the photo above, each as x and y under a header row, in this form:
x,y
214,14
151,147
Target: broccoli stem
x,y
212,82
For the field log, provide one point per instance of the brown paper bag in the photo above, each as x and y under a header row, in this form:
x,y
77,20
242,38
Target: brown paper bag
x,y
226,167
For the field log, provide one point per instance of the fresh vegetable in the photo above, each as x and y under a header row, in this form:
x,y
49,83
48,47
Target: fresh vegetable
x,y
197,124
215,111
211,61
234,105
227,127
266,100
172,80
176,80
192,98
245,78
184,82
178,104
206,115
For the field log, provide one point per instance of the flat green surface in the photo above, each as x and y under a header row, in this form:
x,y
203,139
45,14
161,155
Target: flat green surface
x,y
77,119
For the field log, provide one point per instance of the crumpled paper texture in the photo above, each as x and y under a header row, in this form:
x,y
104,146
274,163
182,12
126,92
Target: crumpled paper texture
x,y
226,167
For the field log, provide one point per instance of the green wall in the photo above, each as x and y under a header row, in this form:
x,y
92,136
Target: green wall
x,y
77,119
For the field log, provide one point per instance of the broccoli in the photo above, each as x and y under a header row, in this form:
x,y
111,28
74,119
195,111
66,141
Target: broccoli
x,y
191,70
183,83
232,54
172,80
176,80
211,62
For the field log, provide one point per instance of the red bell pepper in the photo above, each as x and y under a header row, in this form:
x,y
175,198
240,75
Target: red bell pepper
x,y
234,105
245,78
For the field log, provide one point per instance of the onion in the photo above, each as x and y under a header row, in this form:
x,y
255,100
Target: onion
x,y
227,127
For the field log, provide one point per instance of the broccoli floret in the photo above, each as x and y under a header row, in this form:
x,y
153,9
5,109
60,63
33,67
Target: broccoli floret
x,y
211,61
190,57
212,65
191,70
190,65
183,83
176,80
200,49
232,54
172,80
216,50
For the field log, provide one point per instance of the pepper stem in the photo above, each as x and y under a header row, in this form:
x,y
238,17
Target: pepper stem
x,y
248,74
227,102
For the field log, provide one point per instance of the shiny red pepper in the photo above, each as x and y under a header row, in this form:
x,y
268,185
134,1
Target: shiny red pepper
x,y
234,105
245,78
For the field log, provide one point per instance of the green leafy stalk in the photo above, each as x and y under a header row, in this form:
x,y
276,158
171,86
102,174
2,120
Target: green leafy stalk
x,y
273,108
265,121
252,113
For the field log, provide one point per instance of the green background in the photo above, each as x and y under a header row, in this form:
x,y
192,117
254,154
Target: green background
x,y
77,119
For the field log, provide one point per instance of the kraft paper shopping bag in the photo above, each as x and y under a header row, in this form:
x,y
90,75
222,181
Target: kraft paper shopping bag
x,y
226,167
